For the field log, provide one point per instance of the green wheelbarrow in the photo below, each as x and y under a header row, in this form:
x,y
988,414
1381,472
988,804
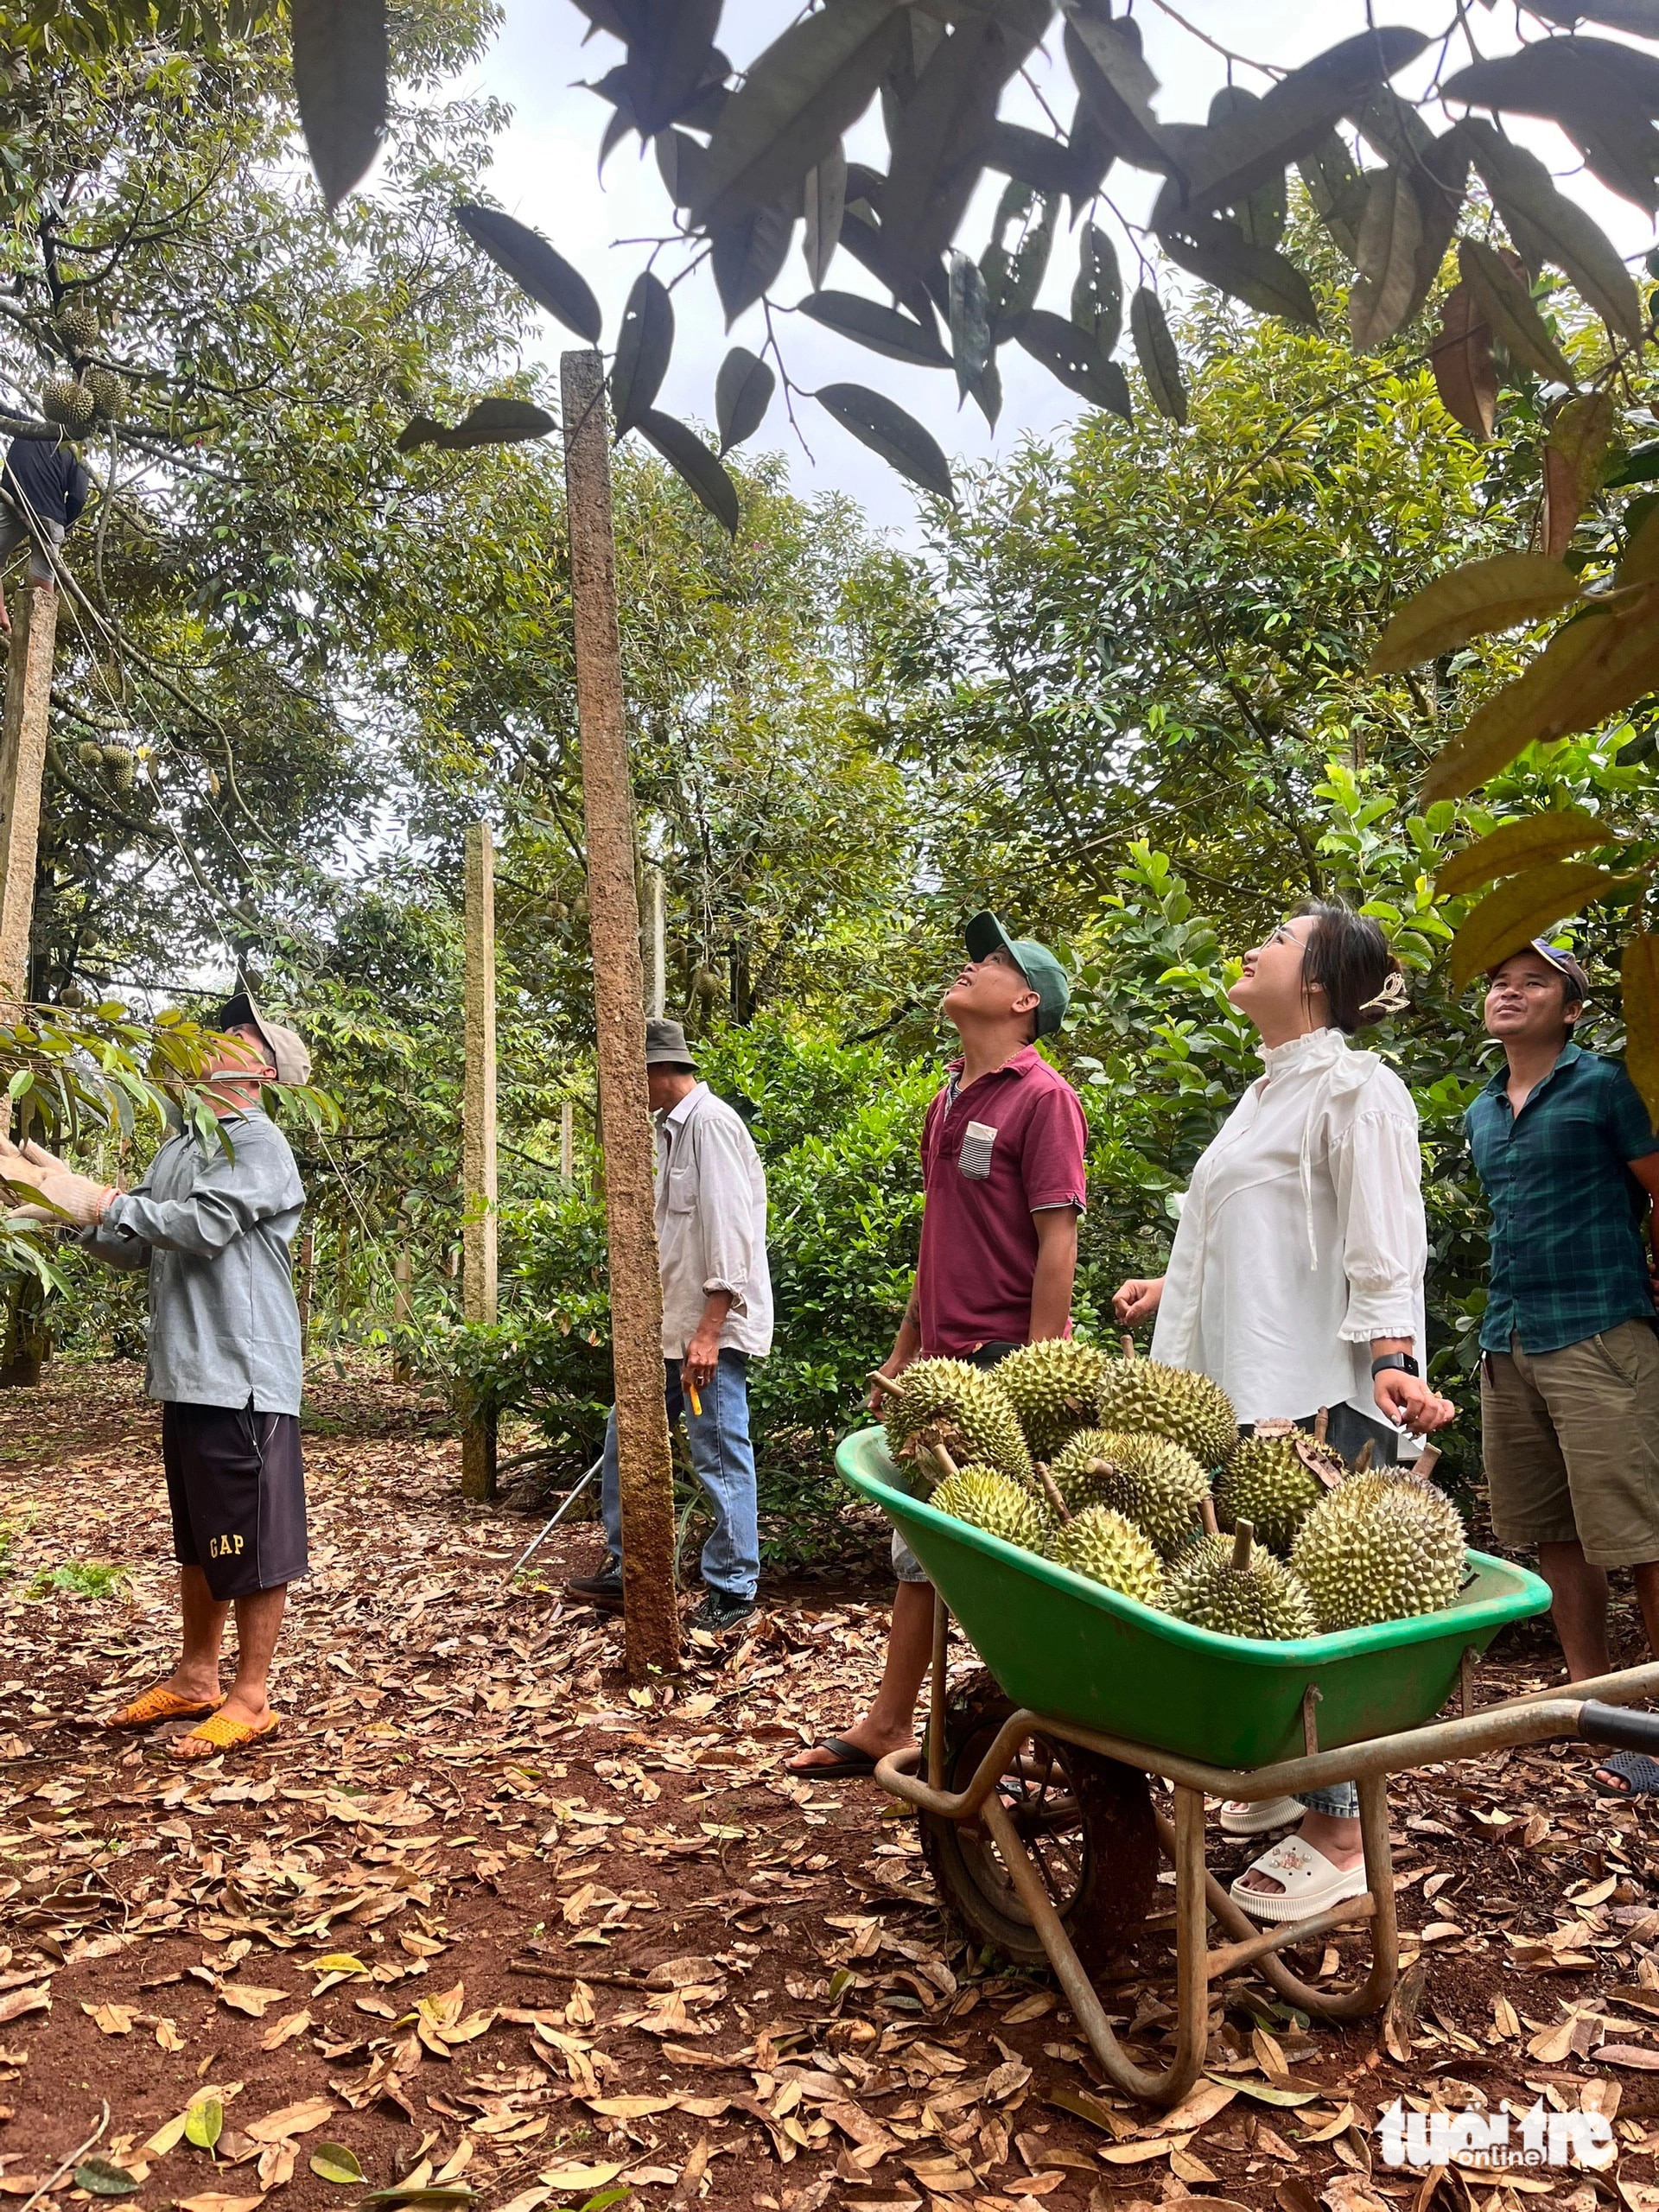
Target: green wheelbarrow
x,y
1037,1816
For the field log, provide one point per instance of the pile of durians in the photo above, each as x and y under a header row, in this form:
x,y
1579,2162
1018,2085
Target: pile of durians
x,y
1133,1474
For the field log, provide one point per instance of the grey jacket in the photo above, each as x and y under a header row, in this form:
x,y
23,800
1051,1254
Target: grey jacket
x,y
215,1234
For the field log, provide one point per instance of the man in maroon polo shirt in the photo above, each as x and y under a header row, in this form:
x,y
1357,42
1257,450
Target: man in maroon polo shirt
x,y
1002,1179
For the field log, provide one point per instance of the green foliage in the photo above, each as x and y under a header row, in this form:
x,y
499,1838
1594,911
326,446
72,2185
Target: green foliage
x,y
81,1578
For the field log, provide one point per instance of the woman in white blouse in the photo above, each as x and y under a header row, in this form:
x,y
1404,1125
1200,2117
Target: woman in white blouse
x,y
1296,1280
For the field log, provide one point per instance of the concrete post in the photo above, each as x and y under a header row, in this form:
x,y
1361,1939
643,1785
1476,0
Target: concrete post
x,y
22,767
478,1145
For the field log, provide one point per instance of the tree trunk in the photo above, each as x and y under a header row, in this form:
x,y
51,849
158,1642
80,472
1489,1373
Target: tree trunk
x,y
479,1222
22,765
644,1466
29,1342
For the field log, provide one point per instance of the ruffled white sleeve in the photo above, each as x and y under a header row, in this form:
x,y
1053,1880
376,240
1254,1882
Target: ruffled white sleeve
x,y
1378,1168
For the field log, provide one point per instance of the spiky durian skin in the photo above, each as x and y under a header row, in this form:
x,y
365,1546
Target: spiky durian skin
x,y
993,1502
1267,1485
1380,1547
77,325
1108,1549
1152,1481
1143,1396
963,1407
1052,1386
67,401
1265,1599
108,393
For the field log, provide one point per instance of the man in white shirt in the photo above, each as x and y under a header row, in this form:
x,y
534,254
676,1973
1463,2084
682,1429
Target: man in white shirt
x,y
711,1241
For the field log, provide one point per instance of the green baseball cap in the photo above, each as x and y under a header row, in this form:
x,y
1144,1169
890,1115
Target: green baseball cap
x,y
986,935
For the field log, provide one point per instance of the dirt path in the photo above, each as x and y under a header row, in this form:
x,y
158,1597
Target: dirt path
x,y
485,1915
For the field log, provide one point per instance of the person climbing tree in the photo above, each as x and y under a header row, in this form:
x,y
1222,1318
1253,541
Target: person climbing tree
x,y
43,488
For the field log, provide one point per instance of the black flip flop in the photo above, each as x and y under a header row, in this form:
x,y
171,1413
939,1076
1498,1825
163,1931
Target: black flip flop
x,y
849,1764
1637,1772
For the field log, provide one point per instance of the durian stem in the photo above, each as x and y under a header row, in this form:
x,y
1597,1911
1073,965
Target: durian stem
x,y
1051,1490
1207,1516
894,1389
1128,1343
1321,1422
1364,1456
937,1452
1426,1462
1243,1536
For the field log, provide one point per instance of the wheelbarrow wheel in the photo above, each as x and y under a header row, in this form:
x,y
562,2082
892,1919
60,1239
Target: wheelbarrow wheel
x,y
1086,1821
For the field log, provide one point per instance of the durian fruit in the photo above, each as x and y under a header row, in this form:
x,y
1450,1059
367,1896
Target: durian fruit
x,y
89,755
120,762
978,1494
76,323
67,401
1143,1395
1380,1547
1270,1482
1230,1584
1052,1386
1108,1549
108,393
1155,1484
947,1401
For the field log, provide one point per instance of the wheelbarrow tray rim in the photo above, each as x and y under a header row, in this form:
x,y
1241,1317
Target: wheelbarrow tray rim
x,y
1503,1592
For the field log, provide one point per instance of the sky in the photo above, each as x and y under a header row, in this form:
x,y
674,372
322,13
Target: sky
x,y
545,173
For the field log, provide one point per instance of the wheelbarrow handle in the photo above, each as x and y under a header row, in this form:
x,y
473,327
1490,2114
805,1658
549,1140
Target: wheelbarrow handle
x,y
1617,1724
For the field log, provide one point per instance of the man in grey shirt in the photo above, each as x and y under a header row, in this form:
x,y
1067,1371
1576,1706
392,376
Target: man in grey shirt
x,y
711,1242
214,1228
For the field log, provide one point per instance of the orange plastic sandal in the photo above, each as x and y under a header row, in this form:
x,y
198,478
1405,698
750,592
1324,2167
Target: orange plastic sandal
x,y
215,1735
159,1704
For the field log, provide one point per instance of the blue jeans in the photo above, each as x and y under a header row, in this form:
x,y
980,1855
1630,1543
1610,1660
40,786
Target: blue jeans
x,y
1341,1801
723,1460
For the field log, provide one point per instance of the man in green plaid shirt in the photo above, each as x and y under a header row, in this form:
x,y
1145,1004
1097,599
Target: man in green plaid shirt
x,y
1569,1162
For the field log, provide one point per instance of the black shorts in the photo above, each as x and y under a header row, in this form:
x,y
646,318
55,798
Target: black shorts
x,y
236,1485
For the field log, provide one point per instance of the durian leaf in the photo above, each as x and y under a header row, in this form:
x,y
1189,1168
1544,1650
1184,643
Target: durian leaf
x,y
687,454
747,254
1641,17
536,268
1522,908
1074,358
1517,325
1390,232
1043,163
743,392
1469,602
1514,846
644,347
801,94
1561,79
1219,251
1546,225
1639,977
1466,376
884,330
1155,348
492,423
825,199
341,87
1578,432
877,422
1228,162
1097,295
971,321
1337,189
1114,83
669,56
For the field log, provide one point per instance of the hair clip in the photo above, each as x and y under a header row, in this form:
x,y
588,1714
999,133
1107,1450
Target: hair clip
x,y
1393,998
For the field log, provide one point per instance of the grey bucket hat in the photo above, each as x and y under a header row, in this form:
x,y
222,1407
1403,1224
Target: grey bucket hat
x,y
665,1046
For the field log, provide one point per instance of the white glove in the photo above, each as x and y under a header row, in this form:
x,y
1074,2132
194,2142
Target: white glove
x,y
79,1197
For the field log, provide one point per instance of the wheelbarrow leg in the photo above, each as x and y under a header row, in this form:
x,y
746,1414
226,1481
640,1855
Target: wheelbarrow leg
x,y
1378,1985
1192,2013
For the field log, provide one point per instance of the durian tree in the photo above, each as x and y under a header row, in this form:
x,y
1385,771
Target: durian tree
x,y
1399,184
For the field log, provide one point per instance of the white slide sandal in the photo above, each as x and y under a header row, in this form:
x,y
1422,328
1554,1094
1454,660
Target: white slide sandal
x,y
1238,1817
1311,1883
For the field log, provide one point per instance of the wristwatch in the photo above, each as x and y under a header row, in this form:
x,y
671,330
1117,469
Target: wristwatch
x,y
1402,1361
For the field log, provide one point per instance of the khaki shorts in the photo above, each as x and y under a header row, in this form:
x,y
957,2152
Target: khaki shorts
x,y
1571,1443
